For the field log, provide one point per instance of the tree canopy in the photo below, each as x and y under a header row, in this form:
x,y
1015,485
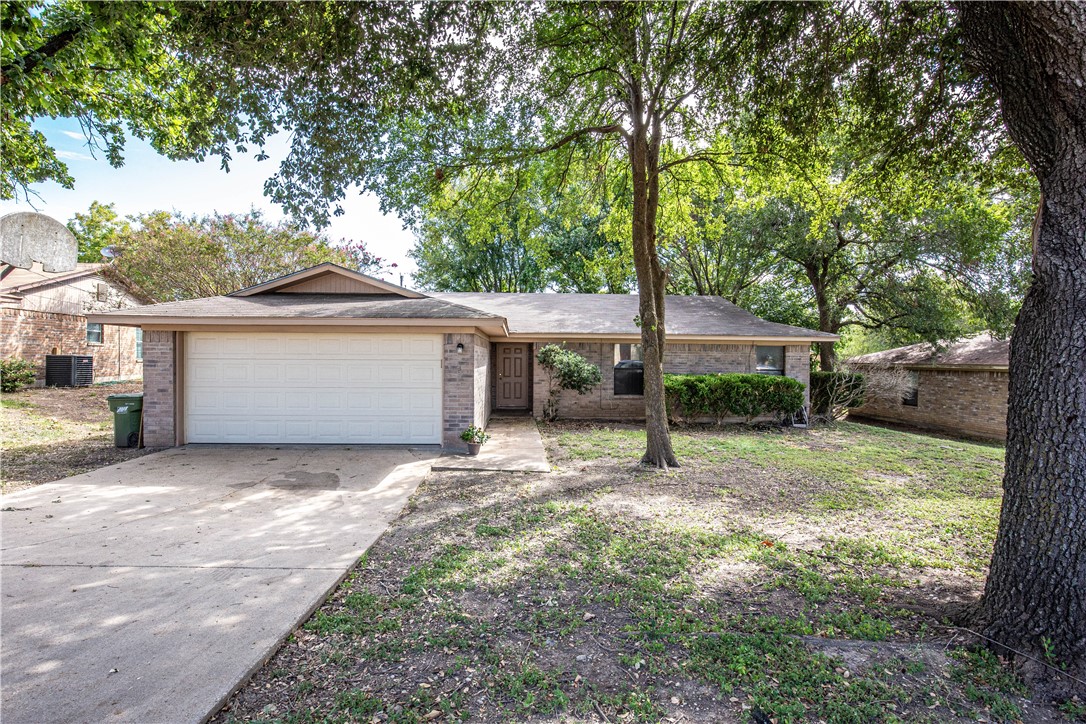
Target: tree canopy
x,y
117,68
172,256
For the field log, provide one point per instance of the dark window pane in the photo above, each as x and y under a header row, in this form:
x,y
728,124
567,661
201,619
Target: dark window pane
x,y
629,370
911,398
94,333
769,360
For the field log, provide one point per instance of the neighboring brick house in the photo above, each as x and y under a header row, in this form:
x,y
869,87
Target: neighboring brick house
x,y
961,390
328,355
45,313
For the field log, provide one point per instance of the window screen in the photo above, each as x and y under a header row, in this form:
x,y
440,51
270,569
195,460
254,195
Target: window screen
x,y
94,333
139,343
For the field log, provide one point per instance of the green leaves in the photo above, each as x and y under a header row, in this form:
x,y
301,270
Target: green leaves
x,y
732,395
173,257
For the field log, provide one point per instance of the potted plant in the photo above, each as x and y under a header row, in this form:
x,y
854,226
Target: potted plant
x,y
474,437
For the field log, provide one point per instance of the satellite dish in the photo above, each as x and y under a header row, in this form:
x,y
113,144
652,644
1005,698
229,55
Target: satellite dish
x,y
110,252
27,237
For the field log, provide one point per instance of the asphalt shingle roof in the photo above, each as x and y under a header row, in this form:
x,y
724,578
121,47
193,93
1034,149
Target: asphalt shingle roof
x,y
558,314
553,315
312,306
980,351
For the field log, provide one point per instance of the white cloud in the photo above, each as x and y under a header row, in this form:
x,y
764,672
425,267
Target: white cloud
x,y
74,156
76,136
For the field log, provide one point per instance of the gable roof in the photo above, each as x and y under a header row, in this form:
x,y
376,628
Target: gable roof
x,y
20,281
595,315
353,282
981,351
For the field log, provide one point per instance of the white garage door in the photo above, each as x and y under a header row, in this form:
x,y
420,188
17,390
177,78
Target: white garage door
x,y
312,388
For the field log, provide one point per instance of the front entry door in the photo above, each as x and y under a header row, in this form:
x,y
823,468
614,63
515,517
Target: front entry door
x,y
513,391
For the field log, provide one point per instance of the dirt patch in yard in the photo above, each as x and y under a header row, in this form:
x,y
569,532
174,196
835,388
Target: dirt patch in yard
x,y
52,433
760,579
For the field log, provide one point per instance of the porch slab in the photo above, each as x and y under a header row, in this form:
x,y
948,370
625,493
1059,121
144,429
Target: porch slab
x,y
514,446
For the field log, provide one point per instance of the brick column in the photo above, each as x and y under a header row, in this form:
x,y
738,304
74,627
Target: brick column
x,y
797,365
159,389
458,390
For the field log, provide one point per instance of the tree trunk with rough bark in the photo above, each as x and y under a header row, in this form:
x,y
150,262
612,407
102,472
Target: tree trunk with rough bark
x,y
643,145
827,351
1034,54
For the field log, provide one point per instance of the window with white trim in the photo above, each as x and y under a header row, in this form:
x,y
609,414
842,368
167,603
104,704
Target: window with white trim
x,y
94,333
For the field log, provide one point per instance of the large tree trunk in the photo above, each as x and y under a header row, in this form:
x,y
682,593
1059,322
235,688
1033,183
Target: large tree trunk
x,y
1034,54
644,155
827,351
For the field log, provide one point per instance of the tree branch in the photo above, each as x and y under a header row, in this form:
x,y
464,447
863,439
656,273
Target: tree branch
x,y
33,59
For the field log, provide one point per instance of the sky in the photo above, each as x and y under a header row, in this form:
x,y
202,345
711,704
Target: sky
x,y
150,182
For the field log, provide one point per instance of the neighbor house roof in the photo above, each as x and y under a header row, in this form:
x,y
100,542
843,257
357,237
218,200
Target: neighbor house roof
x,y
981,351
328,294
594,315
19,281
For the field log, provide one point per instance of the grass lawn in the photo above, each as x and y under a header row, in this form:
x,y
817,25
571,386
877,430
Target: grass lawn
x,y
799,575
50,433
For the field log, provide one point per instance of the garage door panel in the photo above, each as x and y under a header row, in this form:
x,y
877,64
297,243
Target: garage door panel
x,y
268,402
267,373
295,346
296,373
313,388
361,372
236,373
297,402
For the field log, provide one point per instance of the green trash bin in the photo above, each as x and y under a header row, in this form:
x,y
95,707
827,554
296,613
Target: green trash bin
x,y
127,410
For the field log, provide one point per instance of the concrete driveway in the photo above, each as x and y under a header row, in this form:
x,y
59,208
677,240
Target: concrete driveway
x,y
146,591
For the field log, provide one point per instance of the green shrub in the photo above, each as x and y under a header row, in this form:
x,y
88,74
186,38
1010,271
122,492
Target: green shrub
x,y
568,371
832,393
732,395
15,374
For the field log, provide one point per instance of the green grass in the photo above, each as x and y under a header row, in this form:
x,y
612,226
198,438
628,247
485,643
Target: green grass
x,y
940,498
740,571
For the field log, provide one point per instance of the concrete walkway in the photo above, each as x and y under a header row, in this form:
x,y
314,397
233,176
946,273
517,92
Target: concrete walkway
x,y
514,446
147,591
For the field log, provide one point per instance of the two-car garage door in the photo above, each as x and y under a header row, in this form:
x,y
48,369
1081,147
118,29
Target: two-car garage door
x,y
312,388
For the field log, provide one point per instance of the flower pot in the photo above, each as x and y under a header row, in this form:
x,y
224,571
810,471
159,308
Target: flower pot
x,y
473,448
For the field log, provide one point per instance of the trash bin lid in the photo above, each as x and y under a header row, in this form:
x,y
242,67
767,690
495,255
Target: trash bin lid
x,y
126,396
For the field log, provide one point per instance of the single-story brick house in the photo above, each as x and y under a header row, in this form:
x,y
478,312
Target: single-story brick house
x,y
46,313
328,355
961,390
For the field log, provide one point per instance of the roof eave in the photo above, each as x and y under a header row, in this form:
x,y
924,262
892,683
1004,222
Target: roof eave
x,y
497,325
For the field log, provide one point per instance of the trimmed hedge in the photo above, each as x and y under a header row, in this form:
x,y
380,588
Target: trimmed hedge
x,y
732,395
15,374
836,389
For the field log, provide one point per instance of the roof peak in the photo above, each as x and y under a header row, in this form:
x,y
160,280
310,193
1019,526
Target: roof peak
x,y
327,278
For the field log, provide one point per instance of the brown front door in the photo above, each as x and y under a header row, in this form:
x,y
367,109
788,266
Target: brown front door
x,y
513,392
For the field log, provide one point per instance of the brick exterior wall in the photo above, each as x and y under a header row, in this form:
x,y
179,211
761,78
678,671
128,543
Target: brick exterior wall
x,y
159,385
679,358
971,403
483,381
31,334
466,397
